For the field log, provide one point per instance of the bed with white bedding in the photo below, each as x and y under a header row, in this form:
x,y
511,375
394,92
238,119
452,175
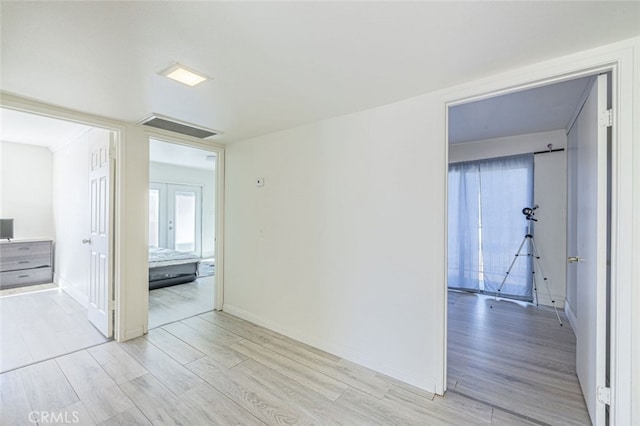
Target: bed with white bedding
x,y
170,267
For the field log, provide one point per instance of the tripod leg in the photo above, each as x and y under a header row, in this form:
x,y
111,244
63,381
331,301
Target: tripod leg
x,y
534,281
510,268
537,261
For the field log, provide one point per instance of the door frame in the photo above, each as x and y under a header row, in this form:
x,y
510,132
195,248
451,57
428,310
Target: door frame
x,y
618,60
218,150
116,210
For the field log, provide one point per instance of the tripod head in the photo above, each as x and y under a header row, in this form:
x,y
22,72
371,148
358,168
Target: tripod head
x,y
529,212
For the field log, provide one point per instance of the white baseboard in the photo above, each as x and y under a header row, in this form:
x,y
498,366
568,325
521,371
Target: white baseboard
x,y
350,354
72,291
571,315
208,255
545,301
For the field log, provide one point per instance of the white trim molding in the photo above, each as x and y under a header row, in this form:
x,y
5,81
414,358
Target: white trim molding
x,y
347,353
570,315
218,149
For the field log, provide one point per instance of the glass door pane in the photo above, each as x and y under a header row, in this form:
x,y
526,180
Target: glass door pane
x,y
154,217
185,221
184,214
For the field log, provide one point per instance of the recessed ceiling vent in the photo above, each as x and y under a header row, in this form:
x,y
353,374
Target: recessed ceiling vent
x,y
171,124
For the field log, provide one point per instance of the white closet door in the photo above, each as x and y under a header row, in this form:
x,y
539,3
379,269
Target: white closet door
x,y
588,262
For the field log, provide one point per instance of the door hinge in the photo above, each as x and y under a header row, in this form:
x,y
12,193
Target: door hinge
x,y
606,118
112,305
603,394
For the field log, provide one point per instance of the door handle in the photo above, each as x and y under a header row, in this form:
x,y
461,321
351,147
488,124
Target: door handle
x,y
86,241
575,259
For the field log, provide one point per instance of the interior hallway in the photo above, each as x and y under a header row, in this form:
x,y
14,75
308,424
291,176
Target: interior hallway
x,y
217,369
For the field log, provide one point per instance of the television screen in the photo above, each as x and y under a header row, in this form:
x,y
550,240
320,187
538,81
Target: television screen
x,y
6,229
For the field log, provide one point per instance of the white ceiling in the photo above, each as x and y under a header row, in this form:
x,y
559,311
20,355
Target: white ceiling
x,y
21,127
281,64
530,111
169,153
33,129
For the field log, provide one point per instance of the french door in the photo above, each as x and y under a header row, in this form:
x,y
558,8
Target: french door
x,y
175,217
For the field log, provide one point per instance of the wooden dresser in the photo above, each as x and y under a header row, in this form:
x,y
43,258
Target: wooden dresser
x,y
25,263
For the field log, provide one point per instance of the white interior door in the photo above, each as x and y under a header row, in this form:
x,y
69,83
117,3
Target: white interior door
x,y
588,207
100,309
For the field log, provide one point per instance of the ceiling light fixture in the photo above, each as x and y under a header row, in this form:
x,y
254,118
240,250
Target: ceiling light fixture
x,y
184,75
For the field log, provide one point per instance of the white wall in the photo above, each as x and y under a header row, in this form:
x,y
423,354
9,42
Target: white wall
x,y
551,229
72,212
367,263
501,147
132,216
170,173
550,192
25,189
343,246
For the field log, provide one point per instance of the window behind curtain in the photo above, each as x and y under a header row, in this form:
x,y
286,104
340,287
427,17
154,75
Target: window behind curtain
x,y
486,225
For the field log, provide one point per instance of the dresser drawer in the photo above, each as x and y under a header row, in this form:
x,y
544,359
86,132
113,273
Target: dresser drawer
x,y
24,262
21,249
25,277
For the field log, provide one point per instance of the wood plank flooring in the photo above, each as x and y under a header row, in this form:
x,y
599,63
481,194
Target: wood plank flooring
x,y
515,356
170,304
37,325
218,369
41,325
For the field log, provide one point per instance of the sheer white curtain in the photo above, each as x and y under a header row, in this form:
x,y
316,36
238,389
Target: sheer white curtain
x,y
486,225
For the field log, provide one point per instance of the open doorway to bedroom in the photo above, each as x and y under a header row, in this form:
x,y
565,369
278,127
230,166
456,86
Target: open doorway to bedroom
x,y
182,232
53,171
512,354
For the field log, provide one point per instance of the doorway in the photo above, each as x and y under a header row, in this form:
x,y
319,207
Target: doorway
x,y
496,347
59,308
182,231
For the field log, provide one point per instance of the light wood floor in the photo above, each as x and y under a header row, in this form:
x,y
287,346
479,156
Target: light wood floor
x,y
40,325
514,356
217,369
170,304
36,325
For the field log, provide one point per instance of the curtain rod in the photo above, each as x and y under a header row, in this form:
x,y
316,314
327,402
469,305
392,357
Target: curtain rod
x,y
548,150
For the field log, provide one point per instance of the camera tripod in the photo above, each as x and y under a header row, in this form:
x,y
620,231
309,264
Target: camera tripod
x,y
533,253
